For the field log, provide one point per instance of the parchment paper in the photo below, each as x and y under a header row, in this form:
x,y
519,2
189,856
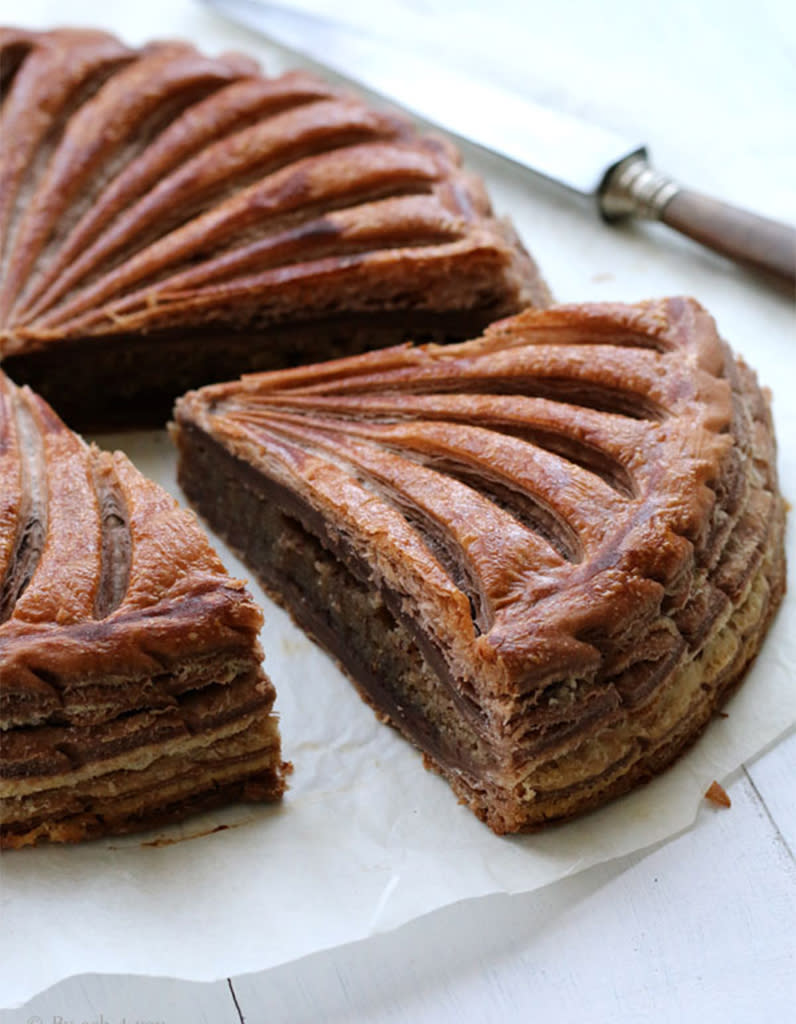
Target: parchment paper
x,y
366,839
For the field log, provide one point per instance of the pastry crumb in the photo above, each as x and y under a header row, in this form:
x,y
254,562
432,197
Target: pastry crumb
x,y
718,795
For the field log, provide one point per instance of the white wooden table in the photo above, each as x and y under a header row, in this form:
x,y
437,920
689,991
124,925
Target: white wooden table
x,y
703,927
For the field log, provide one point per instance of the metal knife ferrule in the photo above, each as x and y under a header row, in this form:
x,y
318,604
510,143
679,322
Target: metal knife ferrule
x,y
632,188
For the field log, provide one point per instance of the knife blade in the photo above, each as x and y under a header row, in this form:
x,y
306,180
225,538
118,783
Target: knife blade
x,y
594,164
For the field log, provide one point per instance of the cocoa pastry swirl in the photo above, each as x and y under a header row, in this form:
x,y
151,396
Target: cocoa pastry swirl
x,y
131,686
168,219
546,556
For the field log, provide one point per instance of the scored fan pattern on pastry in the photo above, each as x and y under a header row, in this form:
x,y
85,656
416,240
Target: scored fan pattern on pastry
x,y
158,189
130,682
578,514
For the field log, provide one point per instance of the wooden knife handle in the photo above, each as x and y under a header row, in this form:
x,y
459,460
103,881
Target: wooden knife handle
x,y
632,188
760,243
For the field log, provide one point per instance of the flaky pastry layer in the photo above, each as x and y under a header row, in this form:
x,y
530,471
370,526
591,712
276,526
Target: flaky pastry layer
x,y
546,555
169,219
131,680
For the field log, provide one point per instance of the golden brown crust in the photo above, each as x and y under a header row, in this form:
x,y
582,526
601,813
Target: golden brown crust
x,y
218,198
578,512
113,609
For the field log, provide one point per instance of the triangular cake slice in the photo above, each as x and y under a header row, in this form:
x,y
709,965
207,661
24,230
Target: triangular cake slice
x,y
169,219
131,686
546,555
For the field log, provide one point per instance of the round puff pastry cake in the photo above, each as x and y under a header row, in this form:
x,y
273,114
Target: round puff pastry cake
x,y
131,686
546,556
169,219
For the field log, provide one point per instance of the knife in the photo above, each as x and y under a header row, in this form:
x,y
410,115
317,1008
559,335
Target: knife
x,y
595,164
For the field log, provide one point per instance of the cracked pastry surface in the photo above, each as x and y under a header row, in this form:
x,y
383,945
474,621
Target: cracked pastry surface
x,y
546,556
131,684
169,219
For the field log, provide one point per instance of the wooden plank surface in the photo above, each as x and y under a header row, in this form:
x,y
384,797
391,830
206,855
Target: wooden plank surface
x,y
700,929
773,775
95,999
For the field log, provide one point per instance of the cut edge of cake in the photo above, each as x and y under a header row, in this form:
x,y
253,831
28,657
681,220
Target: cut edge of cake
x,y
546,556
132,691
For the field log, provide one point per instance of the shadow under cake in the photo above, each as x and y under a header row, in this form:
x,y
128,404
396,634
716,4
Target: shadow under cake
x,y
546,556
